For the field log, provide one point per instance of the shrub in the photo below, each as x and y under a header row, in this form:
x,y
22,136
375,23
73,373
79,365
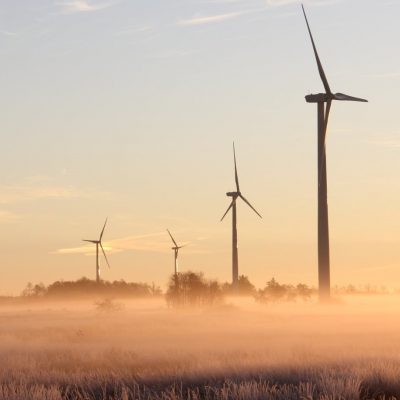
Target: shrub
x,y
243,288
274,292
190,288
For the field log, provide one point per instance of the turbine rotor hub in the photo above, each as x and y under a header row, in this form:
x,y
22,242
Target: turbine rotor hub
x,y
319,98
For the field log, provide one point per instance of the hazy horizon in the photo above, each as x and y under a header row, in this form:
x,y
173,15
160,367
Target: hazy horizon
x,y
129,110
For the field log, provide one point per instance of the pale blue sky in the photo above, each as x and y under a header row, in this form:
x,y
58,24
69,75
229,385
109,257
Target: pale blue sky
x,y
128,109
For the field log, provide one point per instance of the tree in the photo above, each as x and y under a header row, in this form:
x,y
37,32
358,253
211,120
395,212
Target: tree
x,y
274,292
243,287
191,288
37,290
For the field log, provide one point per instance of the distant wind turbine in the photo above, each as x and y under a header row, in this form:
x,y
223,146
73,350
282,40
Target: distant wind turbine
x,y
235,195
176,252
98,244
323,116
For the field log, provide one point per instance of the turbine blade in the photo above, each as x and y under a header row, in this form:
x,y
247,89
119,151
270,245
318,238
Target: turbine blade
x,y
102,231
226,212
104,254
320,69
247,202
345,97
236,173
90,241
172,238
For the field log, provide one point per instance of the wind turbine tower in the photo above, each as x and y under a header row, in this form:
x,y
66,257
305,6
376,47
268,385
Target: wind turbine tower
x,y
176,249
324,102
234,196
98,244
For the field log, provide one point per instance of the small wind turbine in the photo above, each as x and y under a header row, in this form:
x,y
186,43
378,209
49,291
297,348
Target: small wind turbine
x,y
235,195
323,116
98,244
176,252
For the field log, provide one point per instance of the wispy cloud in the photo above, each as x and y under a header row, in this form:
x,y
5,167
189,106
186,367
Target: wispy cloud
x,y
156,242
172,53
87,250
277,3
136,30
386,142
223,1
8,33
7,216
210,19
385,75
36,188
85,6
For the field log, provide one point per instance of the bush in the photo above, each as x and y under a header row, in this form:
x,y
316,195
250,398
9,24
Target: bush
x,y
192,289
108,305
87,288
274,292
243,288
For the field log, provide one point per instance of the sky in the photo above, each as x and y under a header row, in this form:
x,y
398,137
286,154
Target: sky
x,y
127,109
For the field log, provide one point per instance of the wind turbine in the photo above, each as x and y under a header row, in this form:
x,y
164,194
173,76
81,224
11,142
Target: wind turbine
x,y
324,102
176,251
98,244
234,196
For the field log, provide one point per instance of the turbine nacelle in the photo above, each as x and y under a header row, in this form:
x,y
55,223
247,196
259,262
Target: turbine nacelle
x,y
326,97
177,248
91,241
233,194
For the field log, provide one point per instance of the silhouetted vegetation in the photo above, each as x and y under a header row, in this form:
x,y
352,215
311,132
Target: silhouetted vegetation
x,y
274,292
87,288
192,289
243,288
108,305
360,290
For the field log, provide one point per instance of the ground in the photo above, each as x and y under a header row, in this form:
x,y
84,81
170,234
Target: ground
x,y
239,350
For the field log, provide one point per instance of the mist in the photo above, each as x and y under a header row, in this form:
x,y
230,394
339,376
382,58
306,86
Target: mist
x,y
143,348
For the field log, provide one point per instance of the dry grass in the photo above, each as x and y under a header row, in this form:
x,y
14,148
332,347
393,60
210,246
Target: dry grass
x,y
240,351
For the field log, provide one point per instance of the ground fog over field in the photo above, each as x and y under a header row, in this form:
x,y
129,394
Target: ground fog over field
x,y
239,350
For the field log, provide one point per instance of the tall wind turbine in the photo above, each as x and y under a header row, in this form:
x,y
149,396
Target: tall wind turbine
x,y
324,102
234,196
98,244
176,252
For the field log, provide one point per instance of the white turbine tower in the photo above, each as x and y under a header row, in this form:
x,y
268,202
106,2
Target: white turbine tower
x,y
98,244
176,252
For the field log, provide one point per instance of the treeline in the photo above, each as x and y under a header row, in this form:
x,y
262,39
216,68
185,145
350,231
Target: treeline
x,y
193,289
87,288
186,289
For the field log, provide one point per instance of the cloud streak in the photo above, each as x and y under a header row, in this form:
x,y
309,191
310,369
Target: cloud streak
x,y
279,3
85,6
156,242
9,33
7,216
393,143
211,19
385,75
39,188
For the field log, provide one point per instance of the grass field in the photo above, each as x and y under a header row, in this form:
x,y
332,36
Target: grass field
x,y
240,350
